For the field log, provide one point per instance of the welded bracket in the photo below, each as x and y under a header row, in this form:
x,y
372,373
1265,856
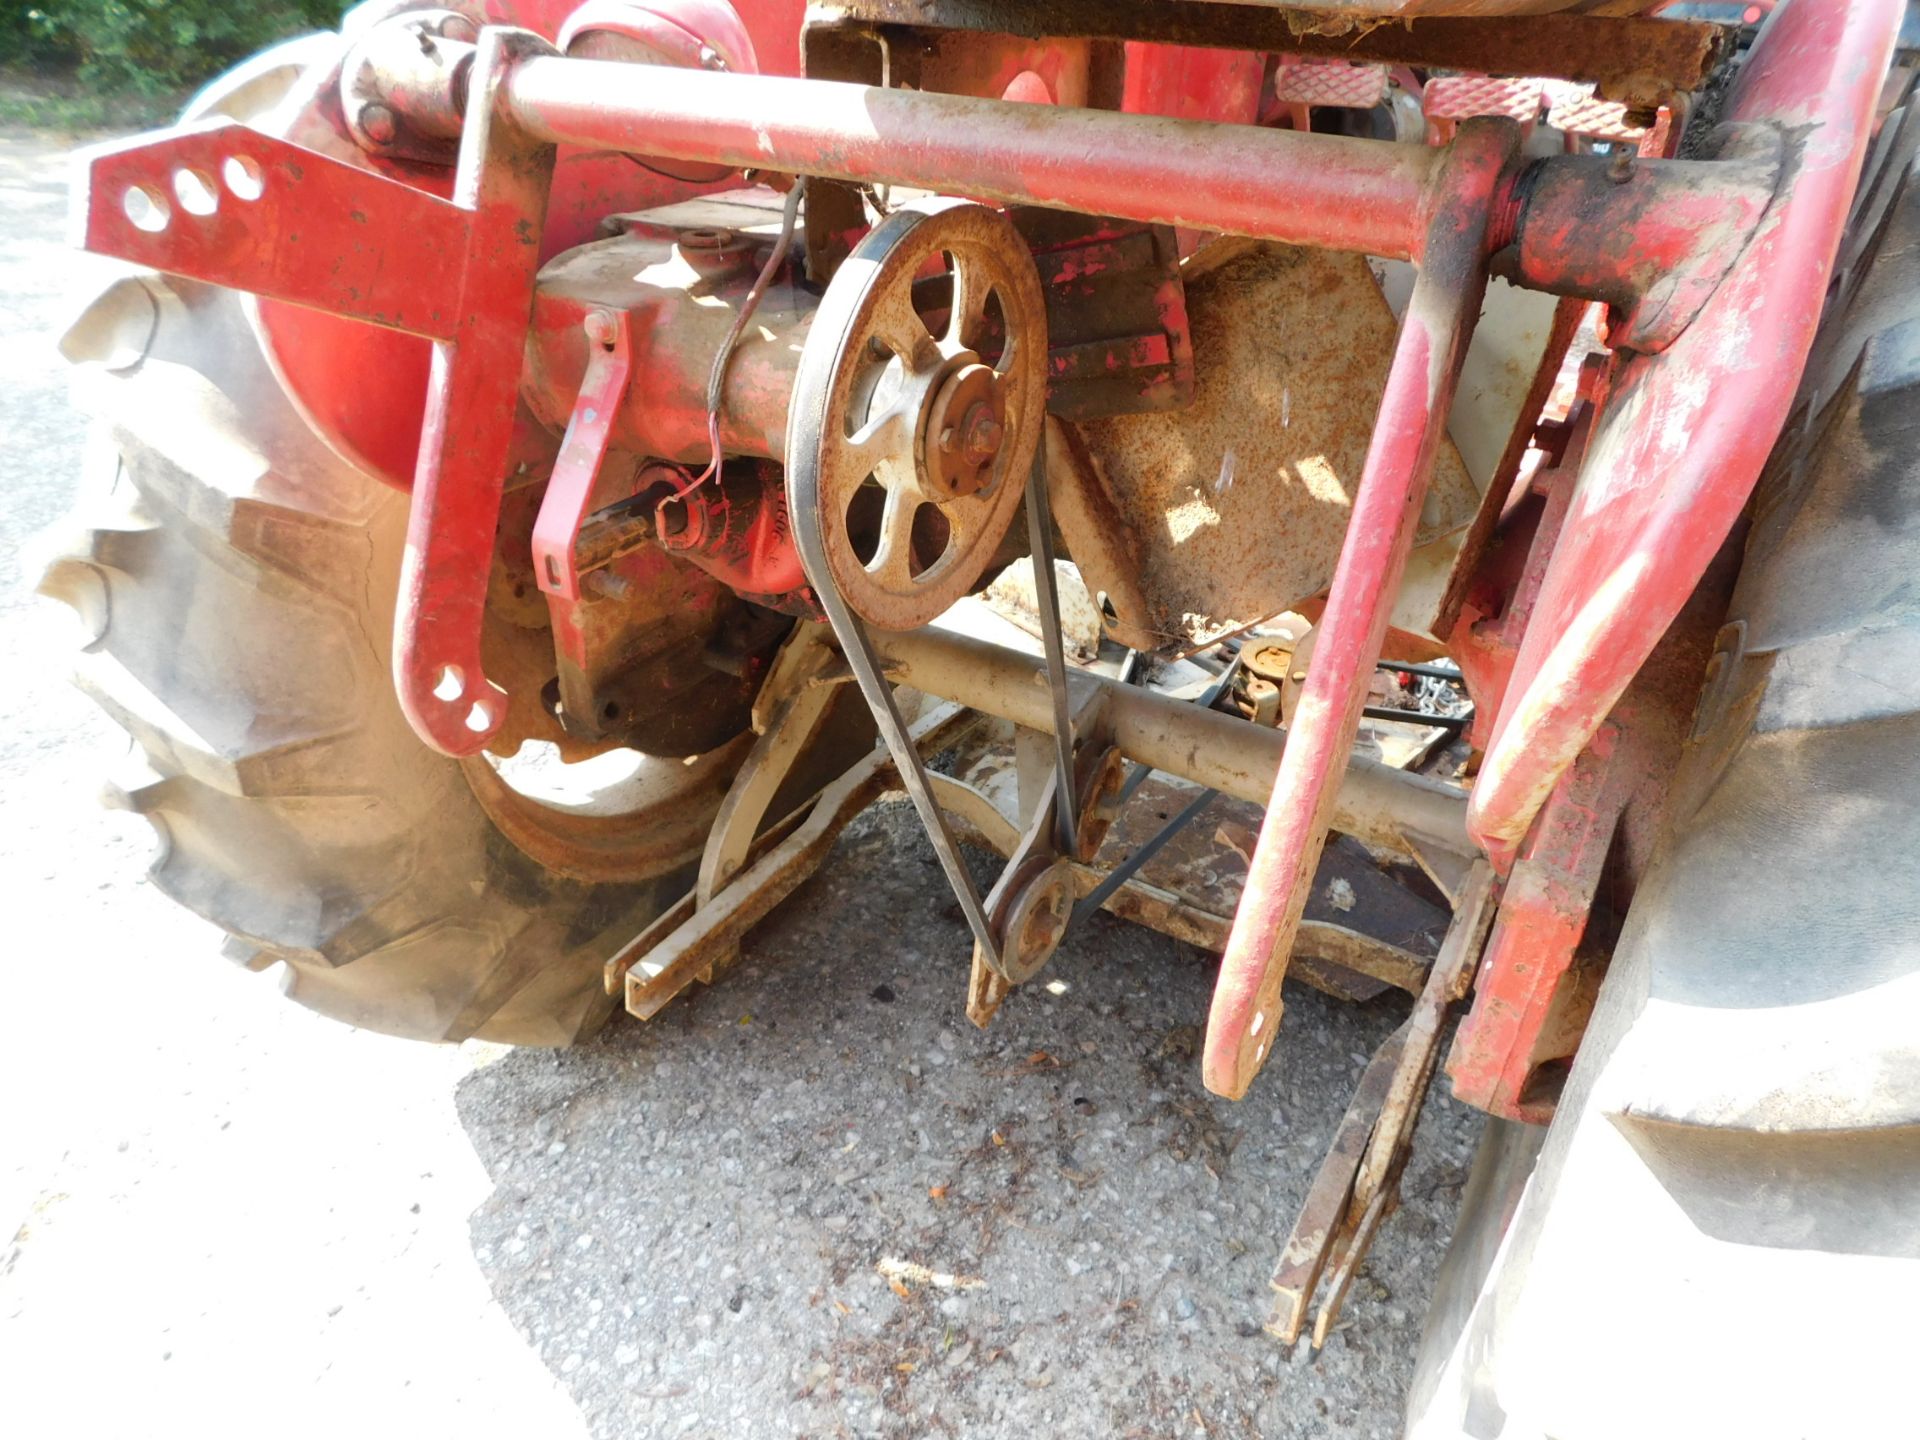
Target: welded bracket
x,y
563,509
227,205
221,203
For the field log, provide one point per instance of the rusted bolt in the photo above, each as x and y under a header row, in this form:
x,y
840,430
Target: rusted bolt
x,y
377,123
600,328
705,239
981,434
1620,168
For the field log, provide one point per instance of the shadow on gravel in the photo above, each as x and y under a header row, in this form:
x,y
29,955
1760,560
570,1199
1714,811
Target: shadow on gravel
x,y
814,1200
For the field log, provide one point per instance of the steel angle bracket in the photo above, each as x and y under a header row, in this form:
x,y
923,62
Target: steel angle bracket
x,y
1359,1181
227,205
702,930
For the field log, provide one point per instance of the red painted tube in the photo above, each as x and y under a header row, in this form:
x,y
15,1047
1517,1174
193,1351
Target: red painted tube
x,y
1386,511
1685,432
1301,188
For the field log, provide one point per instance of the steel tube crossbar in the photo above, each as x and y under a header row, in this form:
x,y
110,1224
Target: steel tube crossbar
x,y
1301,188
1375,802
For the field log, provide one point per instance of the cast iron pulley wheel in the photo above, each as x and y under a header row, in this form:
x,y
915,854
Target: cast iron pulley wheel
x,y
922,388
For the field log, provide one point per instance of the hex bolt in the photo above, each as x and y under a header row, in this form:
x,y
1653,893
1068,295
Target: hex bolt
x,y
983,433
378,125
1620,168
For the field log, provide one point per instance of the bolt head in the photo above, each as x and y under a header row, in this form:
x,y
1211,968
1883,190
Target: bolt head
x,y
983,433
378,124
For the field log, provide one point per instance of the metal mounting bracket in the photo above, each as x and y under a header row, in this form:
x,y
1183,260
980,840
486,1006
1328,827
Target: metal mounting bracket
x,y
227,205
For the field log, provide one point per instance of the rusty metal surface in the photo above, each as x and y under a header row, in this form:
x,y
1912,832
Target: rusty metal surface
x,y
1639,60
1316,1229
1447,984
1200,522
1118,340
691,939
1385,807
1365,930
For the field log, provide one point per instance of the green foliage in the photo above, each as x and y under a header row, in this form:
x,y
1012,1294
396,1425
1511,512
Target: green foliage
x,y
150,47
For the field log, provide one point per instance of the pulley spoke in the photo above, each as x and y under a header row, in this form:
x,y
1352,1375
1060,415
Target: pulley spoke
x,y
892,562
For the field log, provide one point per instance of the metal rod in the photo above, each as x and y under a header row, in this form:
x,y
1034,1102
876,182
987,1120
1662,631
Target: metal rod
x,y
1417,717
1130,866
1420,387
1306,189
1047,601
1377,803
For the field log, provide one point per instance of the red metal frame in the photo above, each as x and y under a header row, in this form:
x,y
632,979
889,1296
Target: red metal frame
x,y
569,493
1715,272
1544,911
1686,431
296,226
473,391
1386,510
285,223
364,389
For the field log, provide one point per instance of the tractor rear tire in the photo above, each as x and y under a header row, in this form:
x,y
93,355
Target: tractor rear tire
x,y
236,585
1721,1235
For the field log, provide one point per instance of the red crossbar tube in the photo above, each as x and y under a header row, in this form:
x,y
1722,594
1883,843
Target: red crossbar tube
x,y
1301,188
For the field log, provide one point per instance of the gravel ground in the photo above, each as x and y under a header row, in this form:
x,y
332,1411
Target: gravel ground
x,y
235,1216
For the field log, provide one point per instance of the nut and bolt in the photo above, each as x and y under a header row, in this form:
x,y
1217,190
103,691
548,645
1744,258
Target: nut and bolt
x,y
1620,168
981,432
976,439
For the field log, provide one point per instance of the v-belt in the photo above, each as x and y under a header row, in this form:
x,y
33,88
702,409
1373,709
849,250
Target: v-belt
x,y
865,665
